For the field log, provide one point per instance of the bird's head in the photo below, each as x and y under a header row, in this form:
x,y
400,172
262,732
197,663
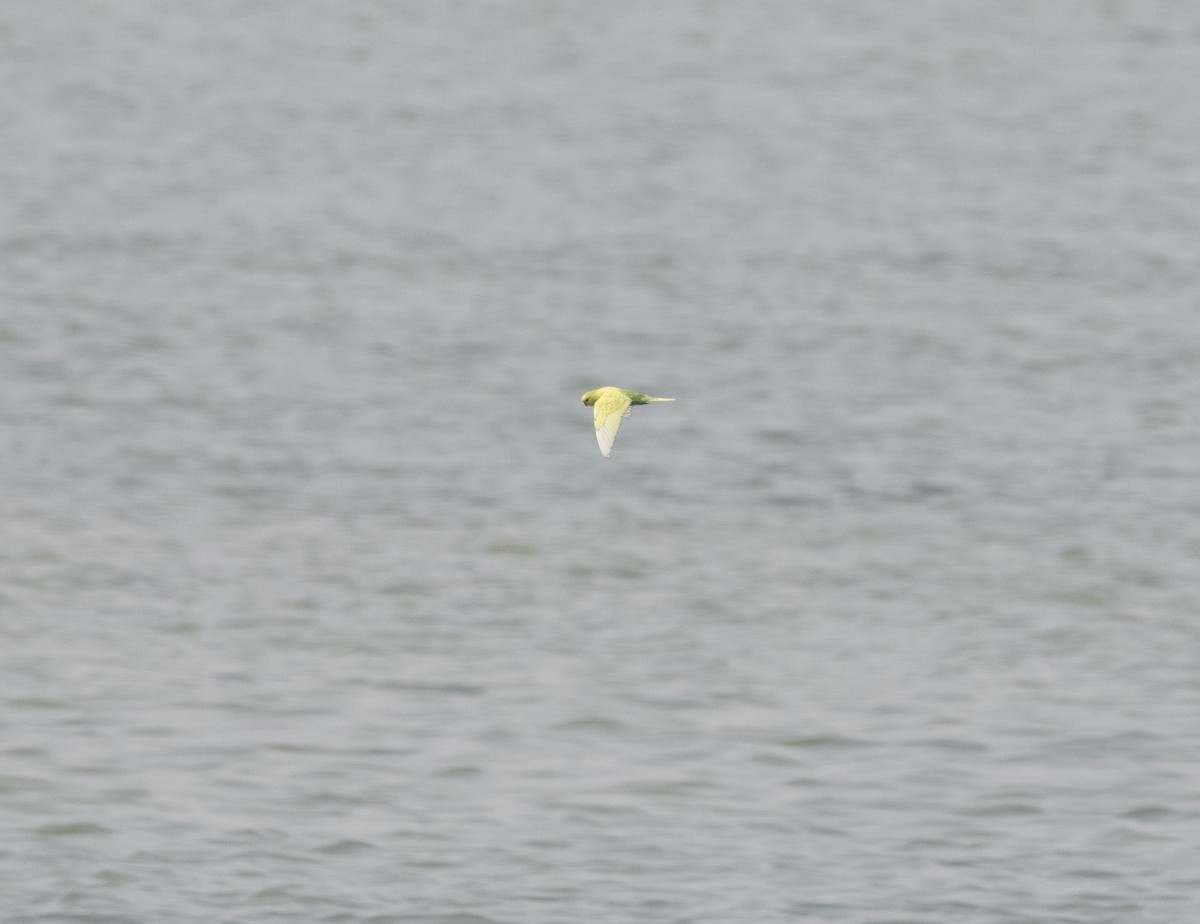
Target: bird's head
x,y
590,398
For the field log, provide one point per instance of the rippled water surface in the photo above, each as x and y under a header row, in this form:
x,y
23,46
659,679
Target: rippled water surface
x,y
318,602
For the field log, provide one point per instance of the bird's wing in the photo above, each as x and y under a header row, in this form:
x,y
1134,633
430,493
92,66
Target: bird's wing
x,y
609,412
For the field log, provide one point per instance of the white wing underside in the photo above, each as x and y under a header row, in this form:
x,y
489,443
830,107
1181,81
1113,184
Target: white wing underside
x,y
610,410
606,432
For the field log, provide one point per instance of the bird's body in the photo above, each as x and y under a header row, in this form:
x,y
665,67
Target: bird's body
x,y
611,406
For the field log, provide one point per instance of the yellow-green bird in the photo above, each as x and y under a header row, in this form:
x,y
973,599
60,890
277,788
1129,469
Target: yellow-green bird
x,y
611,406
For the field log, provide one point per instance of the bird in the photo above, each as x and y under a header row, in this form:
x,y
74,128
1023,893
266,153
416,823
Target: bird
x,y
611,406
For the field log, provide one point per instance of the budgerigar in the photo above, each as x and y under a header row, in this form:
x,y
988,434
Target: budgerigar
x,y
611,407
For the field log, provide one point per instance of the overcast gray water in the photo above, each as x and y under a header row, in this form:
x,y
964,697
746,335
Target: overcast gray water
x,y
318,602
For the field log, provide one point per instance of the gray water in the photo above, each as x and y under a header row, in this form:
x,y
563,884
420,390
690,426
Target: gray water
x,y
318,602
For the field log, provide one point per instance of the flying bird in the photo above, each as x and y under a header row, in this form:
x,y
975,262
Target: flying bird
x,y
611,407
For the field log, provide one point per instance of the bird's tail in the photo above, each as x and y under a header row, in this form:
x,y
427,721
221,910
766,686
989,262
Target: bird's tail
x,y
649,399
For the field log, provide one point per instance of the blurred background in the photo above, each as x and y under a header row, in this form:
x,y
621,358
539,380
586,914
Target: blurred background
x,y
319,603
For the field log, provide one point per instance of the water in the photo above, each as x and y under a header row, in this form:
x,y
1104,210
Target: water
x,y
318,602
